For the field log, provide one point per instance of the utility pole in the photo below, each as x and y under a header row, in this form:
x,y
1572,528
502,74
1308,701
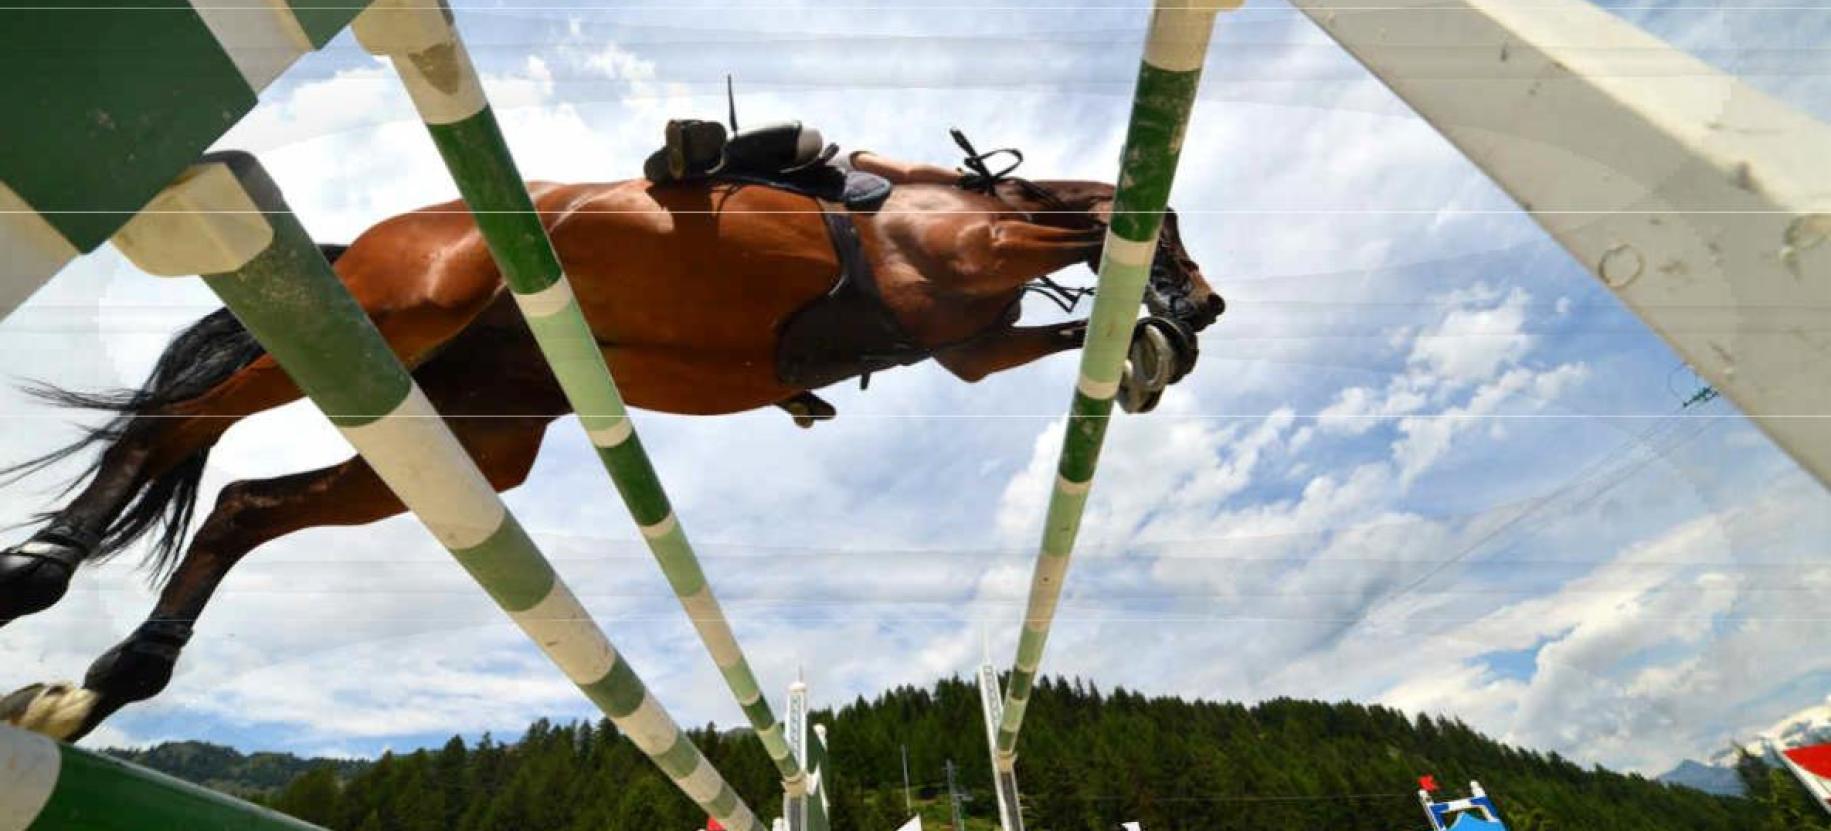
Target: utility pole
x,y
906,804
955,797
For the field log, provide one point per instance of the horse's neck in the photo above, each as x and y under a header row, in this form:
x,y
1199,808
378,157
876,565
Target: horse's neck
x,y
1060,202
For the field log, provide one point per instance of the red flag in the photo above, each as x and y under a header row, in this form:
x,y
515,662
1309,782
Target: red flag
x,y
1428,783
1816,759
712,825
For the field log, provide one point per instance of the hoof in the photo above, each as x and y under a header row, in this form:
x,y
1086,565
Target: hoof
x,y
35,574
138,668
63,711
1162,353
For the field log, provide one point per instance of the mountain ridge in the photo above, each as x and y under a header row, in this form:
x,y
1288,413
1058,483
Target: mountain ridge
x,y
1717,773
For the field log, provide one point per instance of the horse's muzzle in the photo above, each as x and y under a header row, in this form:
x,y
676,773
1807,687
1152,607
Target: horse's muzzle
x,y
1170,295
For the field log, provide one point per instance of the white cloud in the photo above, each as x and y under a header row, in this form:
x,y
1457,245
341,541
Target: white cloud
x,y
1424,439
1474,340
1478,341
1667,648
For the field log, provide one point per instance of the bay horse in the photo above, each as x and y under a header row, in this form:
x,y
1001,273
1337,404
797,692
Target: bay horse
x,y
687,286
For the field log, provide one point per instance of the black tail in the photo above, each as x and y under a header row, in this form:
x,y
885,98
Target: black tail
x,y
197,359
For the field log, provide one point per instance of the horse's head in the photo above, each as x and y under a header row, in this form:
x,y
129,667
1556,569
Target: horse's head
x,y
1179,300
1181,303
1176,290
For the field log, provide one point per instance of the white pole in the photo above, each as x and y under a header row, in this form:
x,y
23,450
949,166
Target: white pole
x,y
1702,203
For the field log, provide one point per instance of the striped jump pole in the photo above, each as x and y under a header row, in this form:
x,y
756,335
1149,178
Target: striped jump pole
x,y
225,219
95,124
45,785
806,812
420,40
1004,779
1167,79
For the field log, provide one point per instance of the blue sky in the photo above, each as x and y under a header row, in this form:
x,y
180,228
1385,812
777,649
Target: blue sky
x,y
1426,459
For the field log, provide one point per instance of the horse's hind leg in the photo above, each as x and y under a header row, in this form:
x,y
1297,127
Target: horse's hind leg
x,y
149,473
498,397
247,515
1023,251
155,460
1011,347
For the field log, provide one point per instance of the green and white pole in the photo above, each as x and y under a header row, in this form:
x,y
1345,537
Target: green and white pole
x,y
808,811
47,785
1173,55
225,219
96,123
1004,779
425,48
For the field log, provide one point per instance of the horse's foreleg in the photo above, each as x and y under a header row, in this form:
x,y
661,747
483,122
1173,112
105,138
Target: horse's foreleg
x,y
1023,251
1012,347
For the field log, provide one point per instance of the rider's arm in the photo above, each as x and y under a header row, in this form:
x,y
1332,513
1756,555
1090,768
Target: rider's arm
x,y
899,172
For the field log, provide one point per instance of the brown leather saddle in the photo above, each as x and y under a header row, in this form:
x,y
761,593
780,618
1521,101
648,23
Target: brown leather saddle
x,y
848,332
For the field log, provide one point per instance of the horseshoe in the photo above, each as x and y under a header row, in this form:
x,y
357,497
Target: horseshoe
x,y
1184,348
1150,367
1162,352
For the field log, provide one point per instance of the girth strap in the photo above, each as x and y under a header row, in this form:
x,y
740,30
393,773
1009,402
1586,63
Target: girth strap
x,y
848,332
852,261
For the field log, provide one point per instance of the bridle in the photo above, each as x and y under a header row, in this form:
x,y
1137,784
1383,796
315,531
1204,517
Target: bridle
x,y
1169,289
1163,346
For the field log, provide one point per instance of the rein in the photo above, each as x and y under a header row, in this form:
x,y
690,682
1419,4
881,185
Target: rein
x,y
981,179
1065,298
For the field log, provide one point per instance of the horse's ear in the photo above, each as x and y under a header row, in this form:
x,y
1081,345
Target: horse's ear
x,y
1102,210
1098,197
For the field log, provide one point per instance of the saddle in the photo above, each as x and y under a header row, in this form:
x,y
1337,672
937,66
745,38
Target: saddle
x,y
848,332
786,156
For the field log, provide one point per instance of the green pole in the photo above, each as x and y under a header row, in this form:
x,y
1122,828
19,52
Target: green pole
x,y
225,219
419,38
47,785
1167,79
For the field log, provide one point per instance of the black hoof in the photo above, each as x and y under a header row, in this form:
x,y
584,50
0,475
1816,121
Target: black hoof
x,y
137,668
35,574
